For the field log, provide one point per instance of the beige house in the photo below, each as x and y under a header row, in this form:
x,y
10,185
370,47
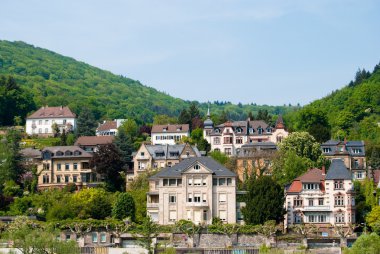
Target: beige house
x,y
92,143
229,137
150,156
61,165
321,199
196,189
351,152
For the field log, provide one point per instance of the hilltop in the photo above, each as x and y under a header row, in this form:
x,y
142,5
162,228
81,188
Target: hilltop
x,y
56,80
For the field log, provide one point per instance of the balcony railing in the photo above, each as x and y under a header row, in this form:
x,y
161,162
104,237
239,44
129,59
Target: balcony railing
x,y
152,205
317,208
197,204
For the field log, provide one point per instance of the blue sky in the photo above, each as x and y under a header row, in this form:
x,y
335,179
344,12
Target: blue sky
x,y
265,52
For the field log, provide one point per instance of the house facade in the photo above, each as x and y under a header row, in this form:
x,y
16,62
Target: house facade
x,y
169,134
321,199
229,137
109,128
196,189
92,143
151,157
255,158
42,121
351,152
61,165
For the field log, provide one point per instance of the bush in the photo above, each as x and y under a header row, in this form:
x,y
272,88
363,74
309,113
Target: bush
x,y
124,207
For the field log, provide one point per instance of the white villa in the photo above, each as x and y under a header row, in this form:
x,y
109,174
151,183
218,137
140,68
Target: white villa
x,y
169,134
40,122
321,199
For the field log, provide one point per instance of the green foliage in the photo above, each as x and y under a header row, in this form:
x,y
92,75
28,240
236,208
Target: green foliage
x,y
366,244
364,199
373,219
86,123
264,201
303,144
11,189
124,207
149,230
46,76
219,157
164,119
15,102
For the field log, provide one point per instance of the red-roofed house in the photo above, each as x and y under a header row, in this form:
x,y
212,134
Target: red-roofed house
x,y
321,199
109,128
40,122
92,143
169,134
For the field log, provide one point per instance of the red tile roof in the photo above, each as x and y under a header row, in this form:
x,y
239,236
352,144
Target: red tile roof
x,y
94,140
107,126
313,175
177,128
52,112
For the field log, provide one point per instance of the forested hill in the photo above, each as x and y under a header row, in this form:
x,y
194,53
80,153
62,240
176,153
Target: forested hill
x,y
352,112
56,80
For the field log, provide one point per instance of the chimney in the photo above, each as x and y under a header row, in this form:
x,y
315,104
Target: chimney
x,y
323,170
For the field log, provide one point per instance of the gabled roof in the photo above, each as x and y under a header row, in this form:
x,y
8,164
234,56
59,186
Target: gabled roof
x,y
30,153
171,128
313,175
108,125
280,123
338,170
52,112
94,140
176,171
168,152
63,149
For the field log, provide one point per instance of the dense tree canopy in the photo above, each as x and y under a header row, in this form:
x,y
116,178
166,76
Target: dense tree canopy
x,y
264,201
86,124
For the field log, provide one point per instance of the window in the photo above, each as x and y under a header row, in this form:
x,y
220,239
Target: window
x,y
172,198
67,166
141,165
338,185
59,153
326,150
356,163
359,175
166,181
142,154
204,215
66,179
75,166
94,237
103,237
39,122
229,181
227,151
172,182
356,150
188,213
297,202
190,181
339,200
239,141
311,202
217,141
197,197
190,197
311,218
239,130
75,178
197,167
172,215
46,130
59,178
228,140
310,186
297,218
320,201
197,181
260,130
339,218
204,197
222,198
215,182
223,215
45,179
222,181
39,130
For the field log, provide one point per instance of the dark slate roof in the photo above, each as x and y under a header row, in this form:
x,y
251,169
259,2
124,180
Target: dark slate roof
x,y
176,171
349,147
338,170
170,152
260,145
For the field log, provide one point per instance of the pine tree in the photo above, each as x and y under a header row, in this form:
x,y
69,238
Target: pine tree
x,y
86,123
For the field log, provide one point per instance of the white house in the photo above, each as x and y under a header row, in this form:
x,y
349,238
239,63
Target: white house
x,y
169,134
196,189
40,122
321,199
109,128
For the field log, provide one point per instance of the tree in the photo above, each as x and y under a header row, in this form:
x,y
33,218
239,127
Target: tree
x,y
124,142
149,231
373,219
86,123
305,230
219,157
264,201
63,139
189,228
55,129
124,207
303,144
15,103
130,127
108,162
366,244
164,119
184,117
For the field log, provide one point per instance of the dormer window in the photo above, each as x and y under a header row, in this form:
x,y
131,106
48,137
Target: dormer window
x,y
77,153
239,130
251,130
326,149
179,128
356,150
260,130
269,130
310,186
59,153
217,131
164,129
68,153
197,167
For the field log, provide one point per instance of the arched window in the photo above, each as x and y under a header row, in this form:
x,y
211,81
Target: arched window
x,y
68,153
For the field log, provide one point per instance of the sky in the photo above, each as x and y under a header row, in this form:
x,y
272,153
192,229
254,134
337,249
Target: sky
x,y
265,52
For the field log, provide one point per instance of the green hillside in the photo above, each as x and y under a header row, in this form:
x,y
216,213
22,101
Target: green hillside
x,y
56,80
352,112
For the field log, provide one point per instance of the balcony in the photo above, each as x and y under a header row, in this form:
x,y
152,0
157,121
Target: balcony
x,y
152,205
197,204
317,208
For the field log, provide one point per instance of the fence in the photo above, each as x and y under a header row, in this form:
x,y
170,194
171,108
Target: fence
x,y
94,250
